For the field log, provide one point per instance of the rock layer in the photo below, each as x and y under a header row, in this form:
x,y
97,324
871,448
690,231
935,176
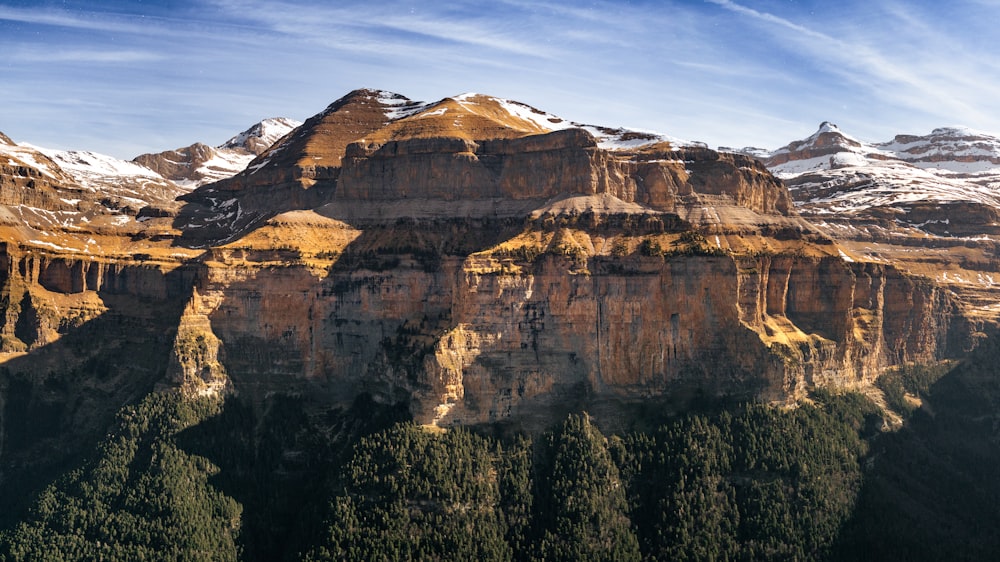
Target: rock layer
x,y
468,260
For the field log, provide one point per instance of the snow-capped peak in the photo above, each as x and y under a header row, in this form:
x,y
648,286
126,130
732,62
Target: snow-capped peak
x,y
261,135
829,134
522,116
828,127
957,131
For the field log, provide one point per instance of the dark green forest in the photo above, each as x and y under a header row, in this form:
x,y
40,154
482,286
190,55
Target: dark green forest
x,y
184,479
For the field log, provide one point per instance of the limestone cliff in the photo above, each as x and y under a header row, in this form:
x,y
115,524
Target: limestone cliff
x,y
480,261
482,321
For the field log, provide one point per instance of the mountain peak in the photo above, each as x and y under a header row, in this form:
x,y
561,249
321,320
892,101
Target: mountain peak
x,y
261,135
829,134
828,127
4,139
958,132
815,150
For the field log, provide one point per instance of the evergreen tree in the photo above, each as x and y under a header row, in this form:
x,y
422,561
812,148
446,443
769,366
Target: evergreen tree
x,y
142,498
409,494
587,512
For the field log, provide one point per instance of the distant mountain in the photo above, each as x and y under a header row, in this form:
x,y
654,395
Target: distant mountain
x,y
52,190
831,172
81,189
199,163
928,203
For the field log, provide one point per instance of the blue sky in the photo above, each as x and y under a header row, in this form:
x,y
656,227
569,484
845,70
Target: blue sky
x,y
125,78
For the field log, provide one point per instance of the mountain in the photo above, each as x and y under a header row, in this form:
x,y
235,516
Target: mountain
x,y
225,355
199,164
400,249
926,203
52,191
831,171
49,193
302,169
408,232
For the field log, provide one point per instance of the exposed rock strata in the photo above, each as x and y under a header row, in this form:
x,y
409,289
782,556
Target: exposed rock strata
x,y
416,254
482,337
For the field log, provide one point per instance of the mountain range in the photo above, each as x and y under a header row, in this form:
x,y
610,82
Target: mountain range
x,y
475,261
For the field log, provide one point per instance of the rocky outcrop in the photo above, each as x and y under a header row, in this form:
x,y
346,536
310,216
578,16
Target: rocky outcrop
x,y
48,295
552,165
32,179
535,167
182,164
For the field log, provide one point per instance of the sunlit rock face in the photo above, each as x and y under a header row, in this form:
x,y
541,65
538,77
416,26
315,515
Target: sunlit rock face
x,y
474,258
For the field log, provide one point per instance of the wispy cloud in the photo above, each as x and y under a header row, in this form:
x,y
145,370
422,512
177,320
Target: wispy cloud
x,y
90,21
872,65
724,71
388,30
35,55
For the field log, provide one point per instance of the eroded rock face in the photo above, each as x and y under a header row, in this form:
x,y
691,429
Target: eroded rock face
x,y
482,335
552,165
534,167
464,259
179,164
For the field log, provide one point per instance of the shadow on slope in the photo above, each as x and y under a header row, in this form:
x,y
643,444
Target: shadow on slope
x,y
932,489
57,401
278,462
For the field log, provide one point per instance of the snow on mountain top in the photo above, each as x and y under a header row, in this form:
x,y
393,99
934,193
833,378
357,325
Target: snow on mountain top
x,y
951,164
851,190
267,131
32,157
530,118
954,150
398,105
828,127
90,164
390,98
958,131
619,138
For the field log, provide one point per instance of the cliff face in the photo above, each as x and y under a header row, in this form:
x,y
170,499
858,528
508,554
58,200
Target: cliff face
x,y
79,336
489,321
480,261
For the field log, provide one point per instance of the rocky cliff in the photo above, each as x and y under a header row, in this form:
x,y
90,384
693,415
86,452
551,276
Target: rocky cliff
x,y
480,261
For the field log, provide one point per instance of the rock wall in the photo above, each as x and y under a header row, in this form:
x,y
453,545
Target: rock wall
x,y
48,295
840,323
550,165
477,339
